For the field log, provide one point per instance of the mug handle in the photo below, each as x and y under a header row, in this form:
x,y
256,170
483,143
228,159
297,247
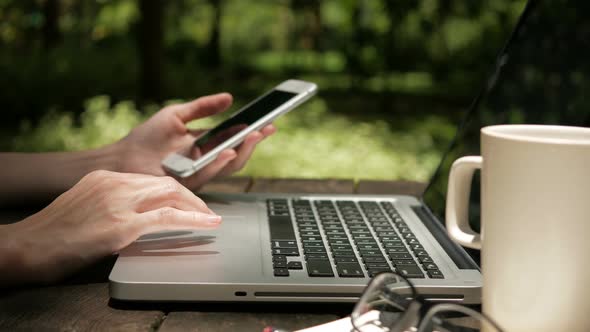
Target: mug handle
x,y
458,191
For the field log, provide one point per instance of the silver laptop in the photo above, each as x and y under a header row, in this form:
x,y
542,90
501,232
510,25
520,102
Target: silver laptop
x,y
309,248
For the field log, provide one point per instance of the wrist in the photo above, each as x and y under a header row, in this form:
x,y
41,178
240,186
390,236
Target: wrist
x,y
13,256
109,157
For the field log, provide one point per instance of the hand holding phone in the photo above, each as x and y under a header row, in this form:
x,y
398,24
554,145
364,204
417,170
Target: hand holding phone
x,y
230,133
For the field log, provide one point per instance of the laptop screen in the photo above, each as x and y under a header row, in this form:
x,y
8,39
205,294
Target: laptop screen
x,y
543,78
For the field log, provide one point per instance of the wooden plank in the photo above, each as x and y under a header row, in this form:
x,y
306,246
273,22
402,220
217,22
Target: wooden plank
x,y
227,185
411,188
302,186
241,321
71,308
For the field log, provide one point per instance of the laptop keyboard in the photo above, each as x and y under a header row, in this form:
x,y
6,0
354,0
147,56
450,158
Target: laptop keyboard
x,y
364,238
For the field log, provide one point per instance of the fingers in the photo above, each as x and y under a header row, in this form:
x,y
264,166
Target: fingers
x,y
168,218
245,150
167,192
203,107
211,170
268,130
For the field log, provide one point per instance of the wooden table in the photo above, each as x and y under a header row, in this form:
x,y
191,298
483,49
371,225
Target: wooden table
x,y
82,302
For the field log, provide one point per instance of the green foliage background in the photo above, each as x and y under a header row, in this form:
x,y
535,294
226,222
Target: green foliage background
x,y
394,76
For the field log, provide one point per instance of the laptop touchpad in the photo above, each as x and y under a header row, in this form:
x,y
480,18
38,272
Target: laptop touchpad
x,y
234,245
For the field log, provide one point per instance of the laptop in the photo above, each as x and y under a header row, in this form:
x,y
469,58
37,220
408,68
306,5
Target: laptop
x,y
326,248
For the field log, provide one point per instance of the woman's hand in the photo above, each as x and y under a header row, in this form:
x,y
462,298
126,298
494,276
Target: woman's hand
x,y
143,150
103,213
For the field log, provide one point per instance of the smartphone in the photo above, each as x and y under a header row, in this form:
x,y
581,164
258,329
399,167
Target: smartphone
x,y
231,132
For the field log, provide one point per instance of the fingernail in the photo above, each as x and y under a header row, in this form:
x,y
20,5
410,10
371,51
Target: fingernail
x,y
214,219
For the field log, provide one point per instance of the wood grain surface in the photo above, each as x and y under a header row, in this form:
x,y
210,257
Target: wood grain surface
x,y
71,308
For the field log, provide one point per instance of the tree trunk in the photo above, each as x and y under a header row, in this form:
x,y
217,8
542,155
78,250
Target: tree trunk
x,y
151,49
51,33
309,24
214,45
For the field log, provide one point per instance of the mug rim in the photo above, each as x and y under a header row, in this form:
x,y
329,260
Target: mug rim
x,y
534,133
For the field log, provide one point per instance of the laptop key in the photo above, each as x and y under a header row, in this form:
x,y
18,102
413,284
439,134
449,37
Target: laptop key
x,y
281,272
331,226
310,238
370,253
365,241
389,238
283,244
286,252
376,265
317,268
397,250
360,231
281,228
312,250
401,257
410,271
336,247
362,236
396,244
310,233
350,270
425,259
375,271
295,265
279,258
334,237
420,253
430,266
323,257
374,259
358,226
415,247
339,242
345,260
397,262
384,229
435,274
306,224
343,254
368,247
279,265
308,229
317,244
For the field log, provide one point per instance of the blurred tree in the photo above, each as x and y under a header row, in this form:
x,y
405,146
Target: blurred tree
x,y
151,49
360,34
213,47
309,26
51,32
396,12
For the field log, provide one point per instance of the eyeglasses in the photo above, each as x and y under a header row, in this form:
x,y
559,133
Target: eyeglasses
x,y
390,303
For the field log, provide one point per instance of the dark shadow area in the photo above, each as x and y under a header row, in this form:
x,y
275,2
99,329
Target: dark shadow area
x,y
340,309
164,247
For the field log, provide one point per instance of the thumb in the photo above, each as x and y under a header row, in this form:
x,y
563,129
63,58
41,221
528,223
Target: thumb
x,y
203,107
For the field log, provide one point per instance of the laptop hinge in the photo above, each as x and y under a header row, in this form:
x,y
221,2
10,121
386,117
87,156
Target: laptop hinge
x,y
457,254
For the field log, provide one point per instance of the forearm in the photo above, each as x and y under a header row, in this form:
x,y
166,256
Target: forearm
x,y
38,176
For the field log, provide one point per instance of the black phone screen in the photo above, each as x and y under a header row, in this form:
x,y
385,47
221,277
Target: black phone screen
x,y
241,120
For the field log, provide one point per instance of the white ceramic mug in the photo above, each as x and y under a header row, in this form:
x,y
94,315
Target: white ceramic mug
x,y
535,224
